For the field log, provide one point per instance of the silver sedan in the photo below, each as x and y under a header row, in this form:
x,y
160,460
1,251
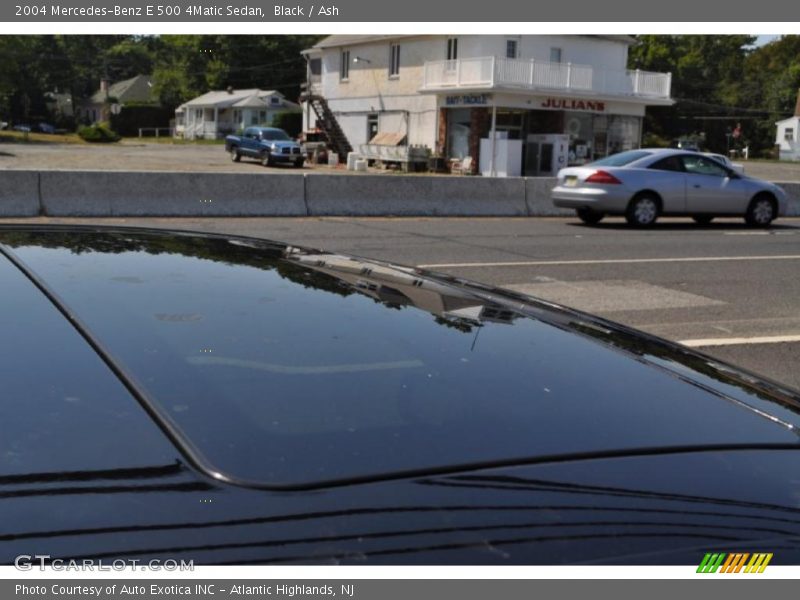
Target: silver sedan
x,y
645,184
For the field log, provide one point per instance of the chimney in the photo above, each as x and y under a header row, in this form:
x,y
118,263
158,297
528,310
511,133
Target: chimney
x,y
230,89
797,106
104,87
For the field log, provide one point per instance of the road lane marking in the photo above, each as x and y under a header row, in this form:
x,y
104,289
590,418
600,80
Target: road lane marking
x,y
758,233
610,261
740,341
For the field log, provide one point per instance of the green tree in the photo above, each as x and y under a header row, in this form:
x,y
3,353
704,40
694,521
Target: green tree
x,y
720,81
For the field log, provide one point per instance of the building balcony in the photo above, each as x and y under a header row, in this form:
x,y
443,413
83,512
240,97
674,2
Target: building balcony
x,y
515,75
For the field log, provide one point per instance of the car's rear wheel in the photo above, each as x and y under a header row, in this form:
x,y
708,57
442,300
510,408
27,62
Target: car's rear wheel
x,y
235,156
642,211
761,212
703,219
589,216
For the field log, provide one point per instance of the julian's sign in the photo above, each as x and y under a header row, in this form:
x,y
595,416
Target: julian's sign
x,y
574,104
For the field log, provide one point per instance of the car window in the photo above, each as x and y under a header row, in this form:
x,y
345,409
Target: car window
x,y
274,134
700,165
670,163
621,159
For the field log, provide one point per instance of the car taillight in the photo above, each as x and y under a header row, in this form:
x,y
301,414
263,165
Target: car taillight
x,y
601,177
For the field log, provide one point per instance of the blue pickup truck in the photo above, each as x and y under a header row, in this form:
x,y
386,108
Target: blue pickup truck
x,y
266,144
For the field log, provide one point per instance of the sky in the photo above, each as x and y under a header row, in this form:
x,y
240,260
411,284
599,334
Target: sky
x,y
765,39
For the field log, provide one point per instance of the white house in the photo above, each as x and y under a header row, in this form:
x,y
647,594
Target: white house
x,y
449,92
788,136
216,114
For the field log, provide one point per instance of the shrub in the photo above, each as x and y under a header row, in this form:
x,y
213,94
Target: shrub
x,y
291,121
653,140
99,133
134,116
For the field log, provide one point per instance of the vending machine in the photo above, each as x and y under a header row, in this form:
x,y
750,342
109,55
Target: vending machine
x,y
546,153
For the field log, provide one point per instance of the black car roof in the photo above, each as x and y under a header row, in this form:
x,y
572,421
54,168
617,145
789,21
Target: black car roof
x,y
275,366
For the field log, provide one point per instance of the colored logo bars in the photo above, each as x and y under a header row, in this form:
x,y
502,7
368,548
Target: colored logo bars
x,y
734,563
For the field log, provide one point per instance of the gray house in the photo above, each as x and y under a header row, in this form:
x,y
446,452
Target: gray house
x,y
218,113
137,90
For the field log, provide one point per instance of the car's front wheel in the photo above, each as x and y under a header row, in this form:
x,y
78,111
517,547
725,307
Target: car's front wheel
x,y
642,211
266,159
703,219
299,163
761,212
235,156
589,216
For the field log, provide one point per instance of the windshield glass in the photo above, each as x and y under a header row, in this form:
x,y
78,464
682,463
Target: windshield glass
x,y
621,159
274,134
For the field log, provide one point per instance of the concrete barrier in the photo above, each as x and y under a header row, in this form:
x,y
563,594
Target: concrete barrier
x,y
792,190
410,195
19,194
537,198
164,194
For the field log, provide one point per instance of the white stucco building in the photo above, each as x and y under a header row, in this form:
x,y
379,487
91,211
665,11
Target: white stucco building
x,y
449,92
219,113
788,135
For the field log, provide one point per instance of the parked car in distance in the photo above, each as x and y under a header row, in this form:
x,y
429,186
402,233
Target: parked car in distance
x,y
645,184
45,128
3,125
269,145
21,127
231,400
738,167
686,145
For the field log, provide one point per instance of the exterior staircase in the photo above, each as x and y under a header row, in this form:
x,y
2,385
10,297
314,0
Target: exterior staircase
x,y
327,122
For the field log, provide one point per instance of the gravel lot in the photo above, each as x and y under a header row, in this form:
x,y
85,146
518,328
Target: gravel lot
x,y
142,156
126,156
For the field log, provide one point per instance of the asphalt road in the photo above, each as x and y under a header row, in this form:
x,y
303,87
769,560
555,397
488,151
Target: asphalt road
x,y
730,291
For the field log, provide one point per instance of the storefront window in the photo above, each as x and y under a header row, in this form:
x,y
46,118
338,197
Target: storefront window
x,y
458,122
624,133
579,127
511,122
615,133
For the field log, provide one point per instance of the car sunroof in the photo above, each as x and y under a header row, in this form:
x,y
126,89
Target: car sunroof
x,y
287,368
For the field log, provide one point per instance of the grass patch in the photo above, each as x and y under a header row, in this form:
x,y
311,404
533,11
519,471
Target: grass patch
x,y
19,137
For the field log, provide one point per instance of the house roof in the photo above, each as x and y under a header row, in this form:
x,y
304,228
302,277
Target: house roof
x,y
253,101
135,89
248,98
334,41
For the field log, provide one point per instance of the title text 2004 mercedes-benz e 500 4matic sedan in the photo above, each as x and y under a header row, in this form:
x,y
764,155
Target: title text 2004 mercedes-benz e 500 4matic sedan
x,y
229,400
645,184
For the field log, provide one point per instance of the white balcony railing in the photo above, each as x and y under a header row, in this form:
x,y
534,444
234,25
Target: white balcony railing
x,y
498,73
